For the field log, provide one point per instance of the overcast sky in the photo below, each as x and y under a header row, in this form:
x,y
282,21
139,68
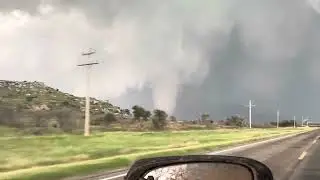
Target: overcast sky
x,y
183,56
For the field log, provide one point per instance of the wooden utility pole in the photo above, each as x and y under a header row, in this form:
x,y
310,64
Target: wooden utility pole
x,y
88,66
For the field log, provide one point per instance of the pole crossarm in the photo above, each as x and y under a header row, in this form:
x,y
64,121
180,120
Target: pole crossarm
x,y
88,64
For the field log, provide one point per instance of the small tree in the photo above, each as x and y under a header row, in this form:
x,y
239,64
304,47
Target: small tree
x,y
205,117
235,121
109,118
65,103
19,107
159,119
38,117
173,118
286,123
146,115
127,111
65,117
138,112
29,98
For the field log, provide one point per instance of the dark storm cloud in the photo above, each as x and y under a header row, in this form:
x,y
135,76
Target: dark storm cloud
x,y
279,77
188,56
25,5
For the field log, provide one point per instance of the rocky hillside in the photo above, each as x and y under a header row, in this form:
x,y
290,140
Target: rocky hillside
x,y
36,96
28,98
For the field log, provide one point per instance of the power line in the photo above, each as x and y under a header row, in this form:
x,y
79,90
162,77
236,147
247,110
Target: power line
x,y
88,66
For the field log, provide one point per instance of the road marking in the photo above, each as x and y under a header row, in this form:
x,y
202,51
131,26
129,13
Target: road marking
x,y
228,150
243,147
302,155
114,177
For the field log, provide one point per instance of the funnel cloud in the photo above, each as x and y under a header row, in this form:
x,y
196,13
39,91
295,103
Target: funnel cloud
x,y
182,56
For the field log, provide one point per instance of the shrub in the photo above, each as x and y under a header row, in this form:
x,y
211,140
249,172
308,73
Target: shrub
x,y
29,98
109,118
159,119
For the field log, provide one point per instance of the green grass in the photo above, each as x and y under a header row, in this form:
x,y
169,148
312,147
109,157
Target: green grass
x,y
54,157
8,132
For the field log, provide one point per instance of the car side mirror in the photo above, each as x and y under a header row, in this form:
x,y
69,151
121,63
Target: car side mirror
x,y
199,167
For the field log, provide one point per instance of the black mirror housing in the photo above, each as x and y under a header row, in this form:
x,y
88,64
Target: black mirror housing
x,y
139,169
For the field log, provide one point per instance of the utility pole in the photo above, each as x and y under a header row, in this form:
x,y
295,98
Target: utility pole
x,y
250,111
278,118
294,121
88,66
305,119
302,121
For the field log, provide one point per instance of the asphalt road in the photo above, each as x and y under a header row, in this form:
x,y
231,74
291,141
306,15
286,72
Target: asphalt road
x,y
309,168
289,158
283,157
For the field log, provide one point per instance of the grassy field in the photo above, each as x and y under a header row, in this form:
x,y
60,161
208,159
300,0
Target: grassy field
x,y
54,157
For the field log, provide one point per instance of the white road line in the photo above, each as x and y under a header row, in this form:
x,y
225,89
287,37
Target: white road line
x,y
114,177
227,150
243,147
314,141
302,155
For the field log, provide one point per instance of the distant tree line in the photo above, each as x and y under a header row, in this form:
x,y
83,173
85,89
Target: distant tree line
x,y
68,120
284,123
158,117
235,121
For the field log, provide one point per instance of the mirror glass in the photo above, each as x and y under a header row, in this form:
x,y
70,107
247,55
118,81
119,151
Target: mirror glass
x,y
200,171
